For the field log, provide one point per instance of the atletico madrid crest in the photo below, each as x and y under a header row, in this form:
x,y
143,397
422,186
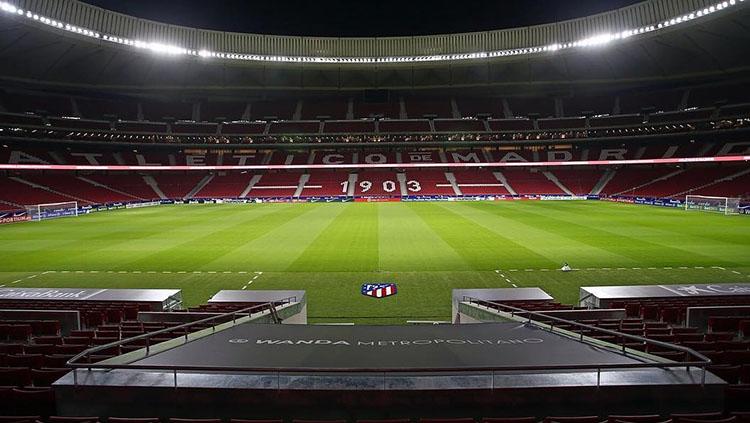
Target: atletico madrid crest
x,y
379,290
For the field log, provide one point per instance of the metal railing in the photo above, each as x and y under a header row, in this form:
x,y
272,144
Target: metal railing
x,y
218,320
701,360
492,371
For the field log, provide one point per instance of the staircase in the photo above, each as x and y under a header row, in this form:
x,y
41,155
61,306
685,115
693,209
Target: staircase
x,y
253,181
99,185
452,179
199,186
552,178
503,180
150,181
710,184
14,205
599,187
662,178
42,187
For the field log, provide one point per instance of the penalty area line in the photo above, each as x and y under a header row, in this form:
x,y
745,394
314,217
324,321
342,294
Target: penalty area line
x,y
257,275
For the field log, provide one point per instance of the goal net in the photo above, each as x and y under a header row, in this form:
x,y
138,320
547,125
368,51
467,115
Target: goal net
x,y
52,210
704,203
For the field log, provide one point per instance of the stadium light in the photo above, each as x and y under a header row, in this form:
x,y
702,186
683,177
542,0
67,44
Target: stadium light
x,y
159,48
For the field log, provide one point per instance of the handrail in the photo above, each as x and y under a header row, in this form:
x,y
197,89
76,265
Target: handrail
x,y
148,336
516,310
701,363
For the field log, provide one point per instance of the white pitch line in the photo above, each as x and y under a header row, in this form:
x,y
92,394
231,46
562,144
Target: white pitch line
x,y
718,267
736,272
15,282
31,277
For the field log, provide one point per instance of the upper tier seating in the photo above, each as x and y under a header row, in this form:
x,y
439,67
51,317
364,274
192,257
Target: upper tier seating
x,y
330,109
420,108
156,111
107,109
403,126
281,109
459,125
211,111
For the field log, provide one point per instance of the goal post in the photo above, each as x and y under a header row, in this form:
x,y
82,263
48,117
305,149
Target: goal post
x,y
724,205
52,210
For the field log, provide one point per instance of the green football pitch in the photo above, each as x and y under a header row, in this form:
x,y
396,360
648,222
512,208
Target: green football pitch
x,y
330,250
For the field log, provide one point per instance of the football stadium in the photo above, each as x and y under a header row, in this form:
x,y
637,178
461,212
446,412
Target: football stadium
x,y
543,220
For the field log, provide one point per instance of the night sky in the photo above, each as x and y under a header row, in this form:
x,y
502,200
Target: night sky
x,y
363,18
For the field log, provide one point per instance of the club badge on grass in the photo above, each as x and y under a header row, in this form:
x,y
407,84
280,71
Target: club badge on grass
x,y
379,290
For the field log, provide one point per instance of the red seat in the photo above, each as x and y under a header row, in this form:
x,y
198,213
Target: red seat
x,y
33,401
647,418
48,340
39,349
678,417
19,332
732,357
650,312
70,349
173,420
510,420
138,420
114,315
15,376
77,340
57,360
737,398
46,376
11,349
46,327
281,421
20,419
59,419
93,319
32,361
730,374
83,333
576,419
720,336
731,419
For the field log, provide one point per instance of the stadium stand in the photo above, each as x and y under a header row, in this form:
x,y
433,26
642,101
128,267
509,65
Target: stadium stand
x,y
89,117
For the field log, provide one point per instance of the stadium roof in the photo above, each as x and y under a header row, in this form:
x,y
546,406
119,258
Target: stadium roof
x,y
70,43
